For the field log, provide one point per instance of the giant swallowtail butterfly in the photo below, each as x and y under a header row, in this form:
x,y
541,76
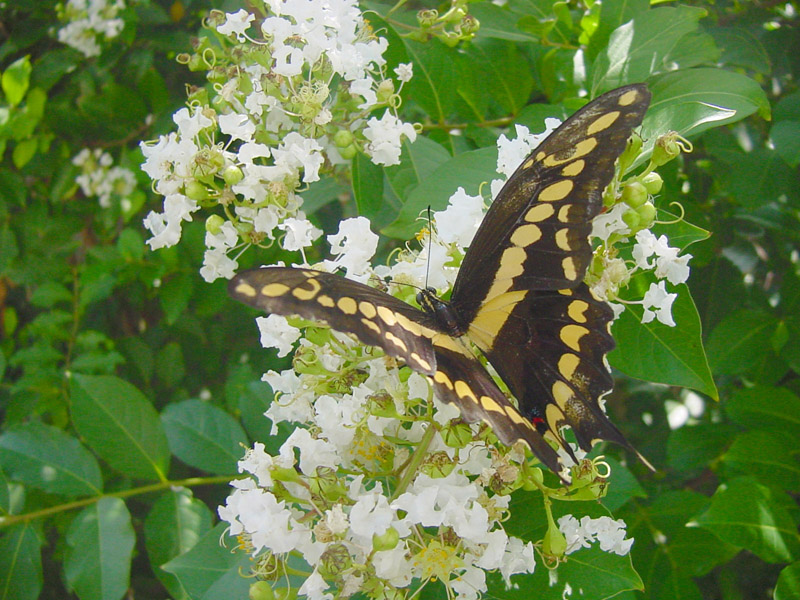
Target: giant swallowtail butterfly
x,y
519,296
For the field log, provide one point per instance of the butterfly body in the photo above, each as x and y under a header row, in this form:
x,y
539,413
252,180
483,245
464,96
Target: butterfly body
x,y
519,295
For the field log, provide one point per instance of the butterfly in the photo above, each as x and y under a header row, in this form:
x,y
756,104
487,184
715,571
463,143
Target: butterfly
x,y
519,296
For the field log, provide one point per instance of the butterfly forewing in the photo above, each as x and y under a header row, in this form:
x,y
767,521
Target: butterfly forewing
x,y
535,234
374,317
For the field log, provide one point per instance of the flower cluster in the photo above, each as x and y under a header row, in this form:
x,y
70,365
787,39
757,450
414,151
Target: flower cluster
x,y
88,23
295,94
102,179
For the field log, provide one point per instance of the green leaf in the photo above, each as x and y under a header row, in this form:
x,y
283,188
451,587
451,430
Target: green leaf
x,y
417,161
662,354
740,342
695,447
174,525
16,79
762,407
694,100
640,48
680,233
367,186
119,423
468,170
434,84
613,13
170,366
747,514
770,458
49,459
174,296
50,293
209,570
498,22
742,48
500,67
597,574
20,563
624,486
204,436
757,178
788,586
5,497
785,137
24,151
97,563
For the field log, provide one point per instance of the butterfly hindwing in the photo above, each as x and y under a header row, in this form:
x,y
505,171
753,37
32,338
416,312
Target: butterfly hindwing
x,y
374,317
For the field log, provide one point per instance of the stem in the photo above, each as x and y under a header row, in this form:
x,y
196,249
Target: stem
x,y
146,489
416,460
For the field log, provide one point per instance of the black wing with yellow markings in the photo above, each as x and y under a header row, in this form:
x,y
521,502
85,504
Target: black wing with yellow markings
x,y
374,317
519,296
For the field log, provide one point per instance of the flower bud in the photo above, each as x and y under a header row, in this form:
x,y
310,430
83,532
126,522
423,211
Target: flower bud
x,y
554,542
196,190
349,152
667,147
342,138
232,175
214,224
653,182
261,590
385,90
632,219
647,213
631,152
427,18
387,541
634,194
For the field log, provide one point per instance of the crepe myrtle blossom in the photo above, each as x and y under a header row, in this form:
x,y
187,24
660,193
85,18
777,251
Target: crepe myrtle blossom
x,y
89,23
281,121
610,534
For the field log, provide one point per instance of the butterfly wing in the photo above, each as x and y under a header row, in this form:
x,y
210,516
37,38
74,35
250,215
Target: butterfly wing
x,y
374,317
519,293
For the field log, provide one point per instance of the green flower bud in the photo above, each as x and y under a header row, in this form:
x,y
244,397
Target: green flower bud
x,y
214,224
261,590
647,213
284,474
632,219
342,138
554,542
349,152
243,227
667,147
427,18
631,152
196,190
283,593
232,175
457,435
386,541
469,26
385,90
634,194
335,560
653,182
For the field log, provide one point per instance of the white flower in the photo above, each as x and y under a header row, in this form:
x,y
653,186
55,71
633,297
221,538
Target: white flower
x,y
459,222
314,588
236,24
610,534
166,226
404,71
277,333
217,265
190,124
355,244
518,558
300,233
297,152
385,137
371,515
511,153
238,126
668,264
258,463
610,222
313,452
657,303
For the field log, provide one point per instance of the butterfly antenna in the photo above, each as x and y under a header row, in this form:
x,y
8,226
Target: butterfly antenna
x,y
430,246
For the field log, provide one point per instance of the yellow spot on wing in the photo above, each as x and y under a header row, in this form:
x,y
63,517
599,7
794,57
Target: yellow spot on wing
x,y
526,235
421,362
628,98
562,239
347,305
570,271
563,213
491,317
373,326
555,418
464,391
562,393
582,148
273,290
577,309
367,309
602,122
556,191
387,315
245,289
573,168
440,377
567,365
511,265
539,213
326,301
396,341
571,336
302,293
